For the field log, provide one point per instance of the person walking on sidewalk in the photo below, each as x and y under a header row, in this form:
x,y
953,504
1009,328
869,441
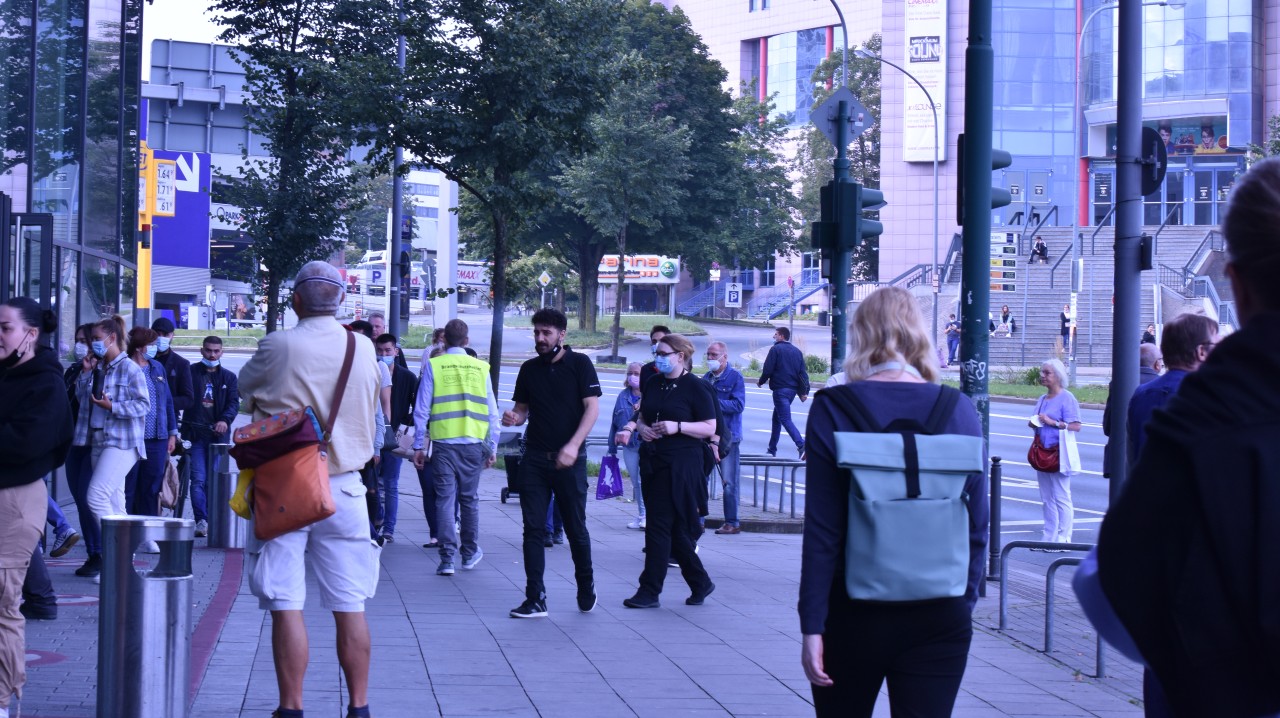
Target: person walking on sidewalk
x,y
731,392
294,368
79,466
677,417
850,647
558,392
624,410
403,386
788,377
455,406
208,421
35,431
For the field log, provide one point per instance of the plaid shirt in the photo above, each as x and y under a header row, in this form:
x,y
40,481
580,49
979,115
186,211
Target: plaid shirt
x,y
122,427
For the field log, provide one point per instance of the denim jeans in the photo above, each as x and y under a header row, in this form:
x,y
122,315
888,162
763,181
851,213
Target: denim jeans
x,y
953,348
631,457
55,518
555,522
539,480
199,473
37,588
79,468
782,399
389,480
727,473
142,486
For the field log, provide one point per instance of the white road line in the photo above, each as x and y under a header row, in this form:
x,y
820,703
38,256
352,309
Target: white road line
x,y
1020,463
1022,436
1037,503
1037,522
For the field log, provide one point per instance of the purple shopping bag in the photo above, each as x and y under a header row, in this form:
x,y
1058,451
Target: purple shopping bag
x,y
606,487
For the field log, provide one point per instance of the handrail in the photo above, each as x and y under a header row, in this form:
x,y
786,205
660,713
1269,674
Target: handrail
x,y
1053,271
768,461
953,255
1093,244
1028,238
1206,245
1176,209
1175,279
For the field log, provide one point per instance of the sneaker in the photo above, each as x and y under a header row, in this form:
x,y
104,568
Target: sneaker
x,y
445,569
547,542
637,524
202,528
91,567
672,563
587,600
97,579
63,542
699,597
530,609
559,537
638,601
33,612
470,562
388,538
149,547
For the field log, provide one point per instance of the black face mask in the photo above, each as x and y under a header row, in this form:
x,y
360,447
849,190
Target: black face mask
x,y
550,356
16,356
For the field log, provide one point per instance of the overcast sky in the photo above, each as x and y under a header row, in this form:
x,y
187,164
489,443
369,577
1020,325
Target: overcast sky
x,y
184,20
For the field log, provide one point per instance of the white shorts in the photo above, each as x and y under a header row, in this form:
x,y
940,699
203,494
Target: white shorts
x,y
342,556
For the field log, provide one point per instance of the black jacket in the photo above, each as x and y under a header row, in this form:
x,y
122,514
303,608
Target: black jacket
x,y
784,368
35,420
1145,374
1189,556
404,389
226,402
179,371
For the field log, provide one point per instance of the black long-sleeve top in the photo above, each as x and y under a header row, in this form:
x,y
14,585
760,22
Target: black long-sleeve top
x,y
826,518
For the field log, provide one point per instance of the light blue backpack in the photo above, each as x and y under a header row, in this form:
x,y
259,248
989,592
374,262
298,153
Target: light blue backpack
x,y
908,535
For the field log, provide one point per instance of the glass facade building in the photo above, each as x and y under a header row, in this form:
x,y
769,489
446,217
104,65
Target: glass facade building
x,y
1203,89
783,65
68,119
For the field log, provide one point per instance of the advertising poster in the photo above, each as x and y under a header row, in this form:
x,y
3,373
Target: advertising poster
x,y
925,33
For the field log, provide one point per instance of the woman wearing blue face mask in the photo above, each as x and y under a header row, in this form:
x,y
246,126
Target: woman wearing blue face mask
x,y
79,466
677,417
113,403
160,427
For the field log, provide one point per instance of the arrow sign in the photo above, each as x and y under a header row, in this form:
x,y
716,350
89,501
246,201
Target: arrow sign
x,y
824,115
733,295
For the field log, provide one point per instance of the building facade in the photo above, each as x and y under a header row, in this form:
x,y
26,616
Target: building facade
x,y
68,117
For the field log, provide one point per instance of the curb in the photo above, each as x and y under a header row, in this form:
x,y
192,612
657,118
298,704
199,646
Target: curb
x,y
763,526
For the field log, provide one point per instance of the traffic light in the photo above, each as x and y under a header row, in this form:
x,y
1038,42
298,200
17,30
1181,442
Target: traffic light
x,y
842,227
999,196
825,230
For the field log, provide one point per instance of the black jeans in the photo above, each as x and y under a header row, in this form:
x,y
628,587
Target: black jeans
x,y
671,481
539,479
920,648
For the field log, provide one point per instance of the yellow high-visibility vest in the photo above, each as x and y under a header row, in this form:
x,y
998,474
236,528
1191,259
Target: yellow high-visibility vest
x,y
459,407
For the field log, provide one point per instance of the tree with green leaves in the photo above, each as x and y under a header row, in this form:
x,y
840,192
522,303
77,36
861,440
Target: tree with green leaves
x,y
634,174
494,91
1269,148
298,67
813,160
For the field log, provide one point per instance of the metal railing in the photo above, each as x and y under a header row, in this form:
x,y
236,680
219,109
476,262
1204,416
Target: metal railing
x,y
953,258
766,461
1026,239
1177,209
1051,573
1093,238
1053,271
1212,242
1175,279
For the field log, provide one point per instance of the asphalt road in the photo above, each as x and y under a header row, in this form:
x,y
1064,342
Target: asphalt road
x,y
1009,436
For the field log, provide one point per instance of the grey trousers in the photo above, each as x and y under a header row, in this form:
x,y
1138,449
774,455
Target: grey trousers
x,y
455,471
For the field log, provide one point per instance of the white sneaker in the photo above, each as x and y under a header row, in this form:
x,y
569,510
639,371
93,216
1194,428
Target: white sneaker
x,y
97,580
149,547
637,524
202,528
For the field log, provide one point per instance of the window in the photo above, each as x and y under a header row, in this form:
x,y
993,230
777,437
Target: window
x,y
431,212
768,273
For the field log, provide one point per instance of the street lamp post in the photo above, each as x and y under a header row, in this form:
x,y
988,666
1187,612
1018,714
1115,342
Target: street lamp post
x,y
935,279
1075,160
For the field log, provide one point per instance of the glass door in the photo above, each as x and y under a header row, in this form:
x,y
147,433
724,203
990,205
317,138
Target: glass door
x,y
28,258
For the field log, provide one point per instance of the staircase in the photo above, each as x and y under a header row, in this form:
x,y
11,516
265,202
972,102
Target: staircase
x,y
1042,290
707,294
768,305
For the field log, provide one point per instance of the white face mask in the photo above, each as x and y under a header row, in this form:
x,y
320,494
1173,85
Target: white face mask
x,y
80,351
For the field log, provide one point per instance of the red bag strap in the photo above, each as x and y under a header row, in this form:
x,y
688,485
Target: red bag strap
x,y
340,386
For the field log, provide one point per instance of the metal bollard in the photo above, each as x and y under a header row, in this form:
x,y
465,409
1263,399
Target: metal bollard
x,y
144,619
993,546
226,529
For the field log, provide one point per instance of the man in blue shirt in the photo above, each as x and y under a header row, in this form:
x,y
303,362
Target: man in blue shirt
x,y
731,392
787,376
1185,344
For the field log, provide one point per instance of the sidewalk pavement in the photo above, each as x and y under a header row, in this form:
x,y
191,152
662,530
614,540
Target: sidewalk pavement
x,y
446,647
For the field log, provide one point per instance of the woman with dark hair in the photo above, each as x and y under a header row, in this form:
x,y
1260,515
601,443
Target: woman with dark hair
x,y
35,431
113,404
79,466
677,418
160,427
851,647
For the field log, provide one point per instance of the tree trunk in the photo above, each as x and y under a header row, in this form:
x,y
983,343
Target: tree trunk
x,y
622,275
588,266
499,285
273,301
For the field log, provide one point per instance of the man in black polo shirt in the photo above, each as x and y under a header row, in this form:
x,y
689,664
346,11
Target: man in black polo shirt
x,y
559,388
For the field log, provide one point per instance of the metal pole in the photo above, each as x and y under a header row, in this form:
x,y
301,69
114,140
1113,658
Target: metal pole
x,y
975,289
993,545
1124,350
841,266
394,265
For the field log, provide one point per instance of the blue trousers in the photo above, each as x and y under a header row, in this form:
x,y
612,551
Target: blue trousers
x,y
199,477
389,482
142,485
782,399
727,473
79,468
953,348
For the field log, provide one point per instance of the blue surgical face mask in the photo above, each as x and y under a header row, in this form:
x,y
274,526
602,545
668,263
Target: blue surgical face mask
x,y
99,348
211,363
664,365
151,351
387,360
162,344
653,348
80,351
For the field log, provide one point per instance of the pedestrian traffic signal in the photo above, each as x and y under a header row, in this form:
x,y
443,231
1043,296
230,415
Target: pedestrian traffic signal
x,y
1000,196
